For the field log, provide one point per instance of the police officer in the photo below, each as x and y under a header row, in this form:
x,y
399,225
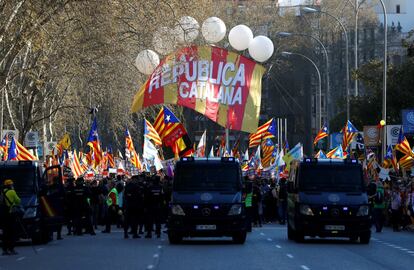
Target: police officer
x,y
82,213
69,204
131,204
10,199
153,203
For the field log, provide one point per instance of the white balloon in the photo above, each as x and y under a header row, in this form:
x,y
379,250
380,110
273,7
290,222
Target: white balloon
x,y
240,37
147,61
187,30
261,48
213,30
163,40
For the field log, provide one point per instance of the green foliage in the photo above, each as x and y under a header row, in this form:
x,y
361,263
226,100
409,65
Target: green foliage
x,y
367,109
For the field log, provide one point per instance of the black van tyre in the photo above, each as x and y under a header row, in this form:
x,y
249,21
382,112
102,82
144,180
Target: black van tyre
x,y
299,237
364,238
174,238
40,237
290,232
239,237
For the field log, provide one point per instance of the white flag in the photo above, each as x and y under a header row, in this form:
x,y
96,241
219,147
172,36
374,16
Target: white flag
x,y
211,152
201,148
149,152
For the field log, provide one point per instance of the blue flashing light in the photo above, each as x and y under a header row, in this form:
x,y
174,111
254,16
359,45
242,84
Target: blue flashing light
x,y
195,206
216,207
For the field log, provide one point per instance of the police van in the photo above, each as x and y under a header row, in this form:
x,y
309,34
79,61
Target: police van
x,y
327,198
207,200
28,179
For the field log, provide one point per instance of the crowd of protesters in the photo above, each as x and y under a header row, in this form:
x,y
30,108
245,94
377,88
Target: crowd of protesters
x,y
392,203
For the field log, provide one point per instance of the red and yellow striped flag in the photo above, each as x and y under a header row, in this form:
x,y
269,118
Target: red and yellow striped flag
x,y
75,165
223,86
23,153
151,133
265,131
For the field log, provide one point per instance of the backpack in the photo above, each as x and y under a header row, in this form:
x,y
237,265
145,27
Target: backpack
x,y
4,209
379,198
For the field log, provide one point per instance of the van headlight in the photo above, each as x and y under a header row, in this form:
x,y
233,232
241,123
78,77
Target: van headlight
x,y
305,210
236,209
177,210
363,211
30,212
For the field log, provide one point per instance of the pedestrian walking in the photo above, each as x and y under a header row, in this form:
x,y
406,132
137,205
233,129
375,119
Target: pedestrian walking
x,y
282,203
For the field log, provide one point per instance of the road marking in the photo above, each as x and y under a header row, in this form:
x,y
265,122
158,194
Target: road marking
x,y
375,239
159,247
262,234
269,239
411,252
21,258
304,267
150,266
156,256
403,249
278,246
289,255
39,249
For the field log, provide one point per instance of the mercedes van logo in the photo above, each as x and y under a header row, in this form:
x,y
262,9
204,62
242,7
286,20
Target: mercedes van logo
x,y
206,212
335,212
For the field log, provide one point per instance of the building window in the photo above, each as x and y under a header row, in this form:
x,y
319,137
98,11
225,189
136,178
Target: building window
x,y
398,9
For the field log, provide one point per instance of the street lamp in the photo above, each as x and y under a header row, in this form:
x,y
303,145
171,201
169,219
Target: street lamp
x,y
288,34
319,100
312,10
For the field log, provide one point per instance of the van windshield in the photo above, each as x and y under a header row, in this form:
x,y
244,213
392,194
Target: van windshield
x,y
207,177
331,178
23,178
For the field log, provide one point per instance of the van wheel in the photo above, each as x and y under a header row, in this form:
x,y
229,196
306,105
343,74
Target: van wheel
x,y
174,238
299,237
364,238
290,232
239,237
40,237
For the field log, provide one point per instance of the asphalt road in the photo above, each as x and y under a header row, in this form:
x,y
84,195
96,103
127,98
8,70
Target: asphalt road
x,y
265,248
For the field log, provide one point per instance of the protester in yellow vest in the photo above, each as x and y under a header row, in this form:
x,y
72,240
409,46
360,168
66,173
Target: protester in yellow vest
x,y
112,201
10,220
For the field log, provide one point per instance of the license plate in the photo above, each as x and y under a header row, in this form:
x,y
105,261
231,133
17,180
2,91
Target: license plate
x,y
334,227
205,227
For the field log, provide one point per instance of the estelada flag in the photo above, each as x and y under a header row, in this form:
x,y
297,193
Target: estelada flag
x,y
223,86
94,144
322,134
23,153
349,132
266,131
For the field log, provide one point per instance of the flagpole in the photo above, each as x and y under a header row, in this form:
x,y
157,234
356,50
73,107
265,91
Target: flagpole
x,y
227,138
285,129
